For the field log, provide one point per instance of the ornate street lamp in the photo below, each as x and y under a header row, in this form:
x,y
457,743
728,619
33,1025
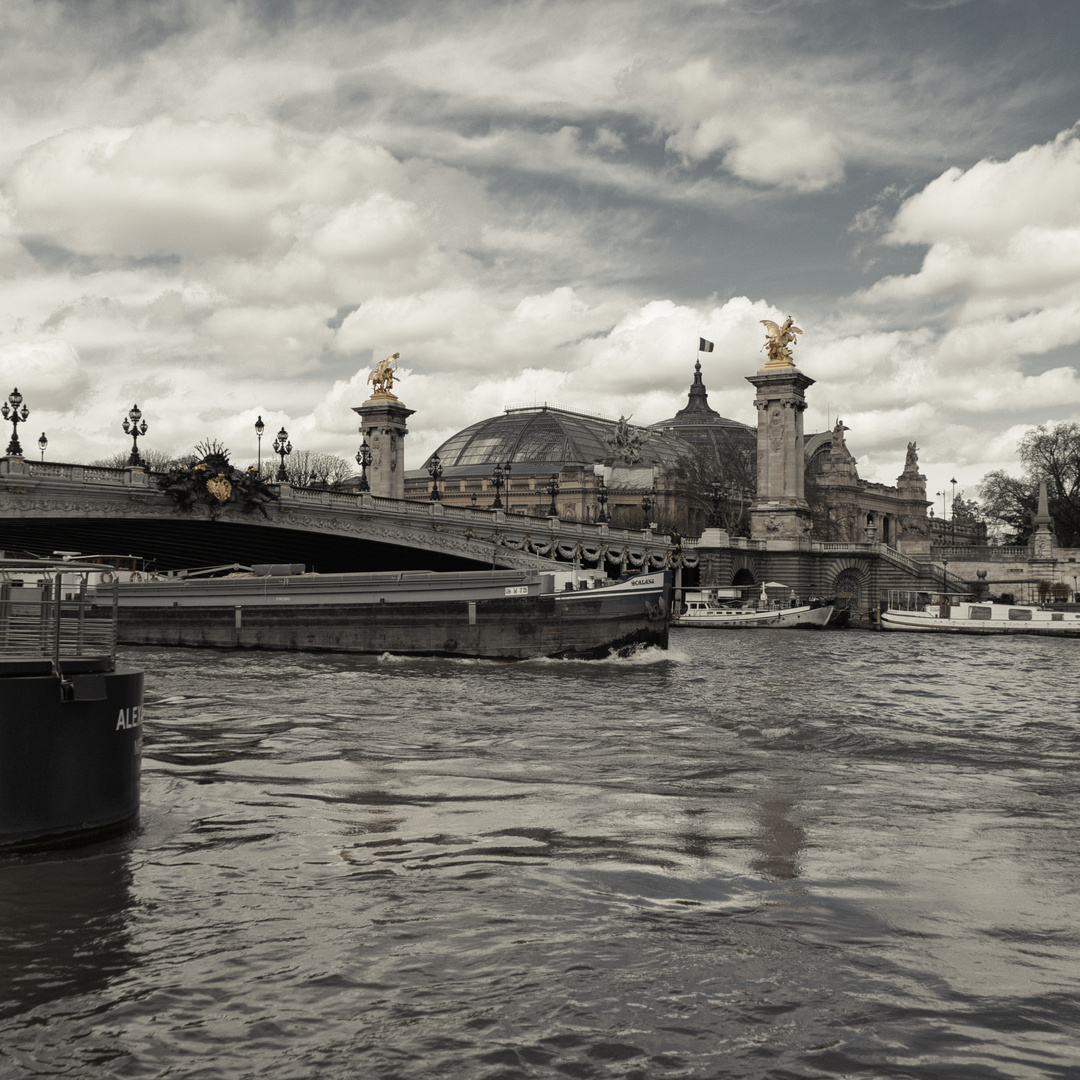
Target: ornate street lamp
x,y
134,428
716,497
283,448
601,498
500,477
42,445
11,411
260,427
953,505
435,472
363,459
553,494
648,503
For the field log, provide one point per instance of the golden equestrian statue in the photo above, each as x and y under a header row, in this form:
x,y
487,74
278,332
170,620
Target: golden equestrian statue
x,y
382,378
777,340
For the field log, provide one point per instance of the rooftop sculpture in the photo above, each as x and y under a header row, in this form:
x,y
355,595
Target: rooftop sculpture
x,y
382,377
777,340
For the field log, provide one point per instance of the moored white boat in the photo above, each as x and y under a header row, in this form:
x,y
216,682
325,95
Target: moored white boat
x,y
704,611
951,615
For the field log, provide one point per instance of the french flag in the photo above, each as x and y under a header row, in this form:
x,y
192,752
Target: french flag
x,y
704,346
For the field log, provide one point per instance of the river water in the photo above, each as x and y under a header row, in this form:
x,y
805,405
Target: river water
x,y
763,854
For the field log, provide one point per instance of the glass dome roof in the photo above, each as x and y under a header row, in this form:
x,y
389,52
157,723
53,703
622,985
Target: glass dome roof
x,y
541,438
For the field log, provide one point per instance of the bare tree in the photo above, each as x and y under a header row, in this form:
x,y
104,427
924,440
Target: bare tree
x,y
307,469
1050,452
154,460
716,482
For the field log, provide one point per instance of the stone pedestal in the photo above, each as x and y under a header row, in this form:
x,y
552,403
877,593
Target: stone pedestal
x,y
780,511
1042,539
382,424
914,539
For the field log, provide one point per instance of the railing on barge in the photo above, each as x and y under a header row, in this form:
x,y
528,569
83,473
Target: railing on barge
x,y
50,612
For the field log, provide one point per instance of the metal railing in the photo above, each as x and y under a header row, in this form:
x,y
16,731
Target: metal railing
x,y
54,616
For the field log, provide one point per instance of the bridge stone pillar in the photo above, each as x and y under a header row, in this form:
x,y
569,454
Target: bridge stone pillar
x,y
780,511
382,423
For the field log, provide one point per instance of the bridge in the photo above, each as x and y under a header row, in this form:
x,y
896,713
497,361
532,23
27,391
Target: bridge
x,y
50,506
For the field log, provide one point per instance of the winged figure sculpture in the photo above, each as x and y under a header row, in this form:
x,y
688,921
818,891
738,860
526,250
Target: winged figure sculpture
x,y
777,340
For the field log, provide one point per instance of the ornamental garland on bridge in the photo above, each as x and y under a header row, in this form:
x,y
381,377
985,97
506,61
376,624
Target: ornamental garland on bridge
x,y
216,482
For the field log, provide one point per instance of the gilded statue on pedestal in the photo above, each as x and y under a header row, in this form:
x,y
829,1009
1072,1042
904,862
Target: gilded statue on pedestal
x,y
382,377
777,340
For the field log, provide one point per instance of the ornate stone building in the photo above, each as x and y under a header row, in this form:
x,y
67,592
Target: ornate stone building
x,y
694,470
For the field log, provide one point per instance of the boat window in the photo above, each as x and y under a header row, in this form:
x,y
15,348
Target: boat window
x,y
979,613
1056,617
1017,614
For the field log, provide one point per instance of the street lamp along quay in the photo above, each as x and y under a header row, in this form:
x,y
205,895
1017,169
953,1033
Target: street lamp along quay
x,y
11,411
602,517
363,459
42,445
648,504
260,427
500,477
134,428
435,472
282,447
553,494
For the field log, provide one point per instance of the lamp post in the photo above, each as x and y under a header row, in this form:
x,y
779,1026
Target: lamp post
x,y
602,497
953,505
260,427
435,472
500,476
42,445
283,448
553,494
363,459
134,428
648,503
716,496
11,411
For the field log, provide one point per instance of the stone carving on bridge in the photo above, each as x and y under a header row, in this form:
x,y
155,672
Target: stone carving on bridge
x,y
382,378
777,340
215,482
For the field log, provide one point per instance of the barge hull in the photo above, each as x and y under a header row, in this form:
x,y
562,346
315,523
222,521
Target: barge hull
x,y
511,629
70,753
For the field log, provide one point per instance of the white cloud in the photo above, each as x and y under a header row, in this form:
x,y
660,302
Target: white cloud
x,y
782,143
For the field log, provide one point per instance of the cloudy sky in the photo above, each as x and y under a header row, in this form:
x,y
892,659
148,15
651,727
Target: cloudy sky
x,y
223,209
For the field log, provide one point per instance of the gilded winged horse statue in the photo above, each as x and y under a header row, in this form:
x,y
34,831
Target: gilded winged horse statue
x,y
777,340
382,377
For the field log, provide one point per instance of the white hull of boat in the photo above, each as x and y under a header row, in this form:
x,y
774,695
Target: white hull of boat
x,y
768,619
984,618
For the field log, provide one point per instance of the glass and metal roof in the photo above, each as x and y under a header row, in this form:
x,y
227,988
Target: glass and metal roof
x,y
542,438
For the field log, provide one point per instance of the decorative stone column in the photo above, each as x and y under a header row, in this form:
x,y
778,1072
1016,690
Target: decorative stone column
x,y
914,537
1042,539
382,424
780,511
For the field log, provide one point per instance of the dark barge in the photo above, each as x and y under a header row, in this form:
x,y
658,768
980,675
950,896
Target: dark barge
x,y
70,718
497,615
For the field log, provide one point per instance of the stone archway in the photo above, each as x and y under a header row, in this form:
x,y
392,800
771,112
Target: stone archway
x,y
743,576
848,586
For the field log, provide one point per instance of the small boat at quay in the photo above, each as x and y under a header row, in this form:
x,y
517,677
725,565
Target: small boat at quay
x,y
497,614
70,717
704,610
949,614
